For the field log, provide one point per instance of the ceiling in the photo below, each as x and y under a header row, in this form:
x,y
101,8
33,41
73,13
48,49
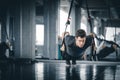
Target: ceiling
x,y
108,10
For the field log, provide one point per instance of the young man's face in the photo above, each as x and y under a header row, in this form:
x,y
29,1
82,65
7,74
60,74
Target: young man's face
x,y
80,42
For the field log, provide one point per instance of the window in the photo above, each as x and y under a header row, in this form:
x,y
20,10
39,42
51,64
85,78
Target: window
x,y
111,32
83,26
63,19
39,34
83,22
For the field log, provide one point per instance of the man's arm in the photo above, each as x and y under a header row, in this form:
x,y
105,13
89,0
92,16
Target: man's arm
x,y
84,57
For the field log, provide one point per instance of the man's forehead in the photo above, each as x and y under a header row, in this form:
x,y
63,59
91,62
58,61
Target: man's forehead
x,y
81,38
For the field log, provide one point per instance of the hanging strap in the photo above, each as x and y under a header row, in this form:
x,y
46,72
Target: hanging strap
x,y
93,52
67,23
6,34
89,18
68,20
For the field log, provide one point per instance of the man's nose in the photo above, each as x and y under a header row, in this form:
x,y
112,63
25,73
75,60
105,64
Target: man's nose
x,y
81,43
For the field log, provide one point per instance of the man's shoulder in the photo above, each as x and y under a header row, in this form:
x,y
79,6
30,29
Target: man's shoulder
x,y
89,39
70,36
69,39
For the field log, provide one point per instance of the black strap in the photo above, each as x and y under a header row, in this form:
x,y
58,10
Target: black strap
x,y
91,29
6,32
89,18
67,23
68,20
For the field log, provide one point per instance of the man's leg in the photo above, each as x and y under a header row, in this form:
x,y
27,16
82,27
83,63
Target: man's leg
x,y
105,52
68,57
73,61
68,62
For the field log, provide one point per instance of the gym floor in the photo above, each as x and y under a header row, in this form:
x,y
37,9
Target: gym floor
x,y
58,70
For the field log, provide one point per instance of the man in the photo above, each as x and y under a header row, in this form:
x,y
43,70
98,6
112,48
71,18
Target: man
x,y
76,45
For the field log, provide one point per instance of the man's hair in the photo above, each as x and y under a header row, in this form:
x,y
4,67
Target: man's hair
x,y
80,33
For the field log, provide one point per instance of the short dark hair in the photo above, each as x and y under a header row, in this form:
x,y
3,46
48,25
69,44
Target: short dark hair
x,y
80,33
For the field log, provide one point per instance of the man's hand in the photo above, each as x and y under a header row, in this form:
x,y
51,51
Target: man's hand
x,y
114,46
84,57
65,34
92,35
62,48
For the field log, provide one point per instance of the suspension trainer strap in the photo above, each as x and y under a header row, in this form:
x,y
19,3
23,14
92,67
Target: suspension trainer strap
x,y
6,34
68,19
89,18
67,23
93,53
